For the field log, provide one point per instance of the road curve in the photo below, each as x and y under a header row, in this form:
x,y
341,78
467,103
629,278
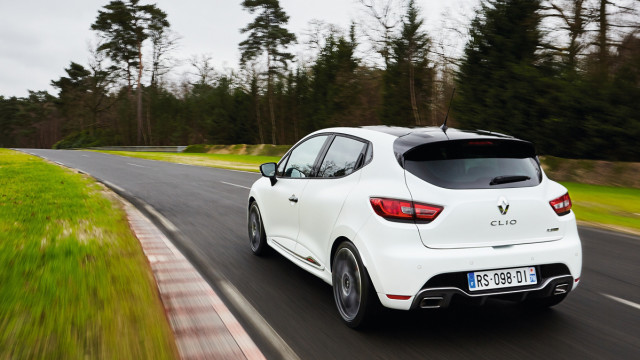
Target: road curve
x,y
600,320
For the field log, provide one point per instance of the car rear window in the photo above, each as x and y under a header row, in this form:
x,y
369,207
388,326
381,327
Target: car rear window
x,y
475,164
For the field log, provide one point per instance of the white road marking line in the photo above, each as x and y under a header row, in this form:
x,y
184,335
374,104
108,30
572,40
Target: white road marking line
x,y
622,301
85,155
236,185
168,224
135,165
59,163
259,323
113,186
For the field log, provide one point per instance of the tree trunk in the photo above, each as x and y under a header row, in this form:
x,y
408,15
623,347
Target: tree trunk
x,y
149,120
577,28
270,96
139,95
258,120
412,93
295,124
272,114
603,53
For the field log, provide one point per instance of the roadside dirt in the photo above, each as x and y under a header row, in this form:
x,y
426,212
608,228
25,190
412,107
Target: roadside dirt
x,y
243,149
594,172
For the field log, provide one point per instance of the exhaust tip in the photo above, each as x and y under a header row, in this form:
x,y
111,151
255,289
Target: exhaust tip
x,y
561,289
432,302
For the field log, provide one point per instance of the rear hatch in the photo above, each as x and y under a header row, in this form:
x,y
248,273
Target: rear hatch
x,y
493,193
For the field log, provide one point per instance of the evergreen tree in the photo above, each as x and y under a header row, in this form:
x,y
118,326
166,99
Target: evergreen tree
x,y
500,82
9,108
37,121
408,80
332,88
125,27
266,35
73,90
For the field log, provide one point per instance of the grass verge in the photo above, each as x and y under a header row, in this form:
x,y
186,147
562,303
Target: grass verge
x,y
224,161
74,283
605,205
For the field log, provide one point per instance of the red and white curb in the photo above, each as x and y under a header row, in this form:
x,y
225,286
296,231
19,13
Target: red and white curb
x,y
203,326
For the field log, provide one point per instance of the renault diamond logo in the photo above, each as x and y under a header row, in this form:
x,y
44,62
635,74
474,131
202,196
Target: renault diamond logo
x,y
503,205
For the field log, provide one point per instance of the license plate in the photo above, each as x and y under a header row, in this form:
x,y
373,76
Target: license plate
x,y
497,279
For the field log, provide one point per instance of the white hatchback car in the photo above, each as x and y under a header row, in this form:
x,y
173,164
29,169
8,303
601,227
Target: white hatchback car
x,y
418,218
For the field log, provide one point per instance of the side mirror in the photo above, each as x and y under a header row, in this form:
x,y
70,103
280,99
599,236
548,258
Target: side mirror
x,y
269,170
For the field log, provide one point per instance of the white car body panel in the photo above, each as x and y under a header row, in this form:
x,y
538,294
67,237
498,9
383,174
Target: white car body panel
x,y
529,218
320,207
283,215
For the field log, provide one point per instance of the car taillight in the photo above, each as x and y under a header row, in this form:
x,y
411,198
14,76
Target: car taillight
x,y
561,205
405,210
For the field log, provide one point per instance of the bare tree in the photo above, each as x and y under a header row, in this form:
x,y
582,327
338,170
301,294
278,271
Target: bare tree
x,y
205,72
386,16
572,17
249,81
163,41
101,83
448,42
317,33
597,27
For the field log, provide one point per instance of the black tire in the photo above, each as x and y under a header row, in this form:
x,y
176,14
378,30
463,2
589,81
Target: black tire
x,y
544,302
354,295
257,236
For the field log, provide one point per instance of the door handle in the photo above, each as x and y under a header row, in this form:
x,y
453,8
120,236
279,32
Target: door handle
x,y
293,198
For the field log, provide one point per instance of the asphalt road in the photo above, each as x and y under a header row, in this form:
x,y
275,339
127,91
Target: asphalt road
x,y
600,320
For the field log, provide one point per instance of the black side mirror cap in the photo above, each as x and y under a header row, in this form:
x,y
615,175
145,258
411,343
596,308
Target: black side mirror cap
x,y
269,170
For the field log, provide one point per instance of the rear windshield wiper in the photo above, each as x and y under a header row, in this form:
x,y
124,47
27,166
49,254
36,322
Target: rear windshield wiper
x,y
508,179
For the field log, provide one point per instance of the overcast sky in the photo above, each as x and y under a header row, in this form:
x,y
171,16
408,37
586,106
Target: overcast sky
x,y
39,38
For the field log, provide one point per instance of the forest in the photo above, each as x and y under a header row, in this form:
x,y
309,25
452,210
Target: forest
x,y
564,74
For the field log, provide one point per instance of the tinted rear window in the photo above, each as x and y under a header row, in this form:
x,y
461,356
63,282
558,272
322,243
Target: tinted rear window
x,y
475,164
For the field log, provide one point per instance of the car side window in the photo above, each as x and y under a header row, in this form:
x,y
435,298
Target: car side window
x,y
369,156
303,157
283,163
345,156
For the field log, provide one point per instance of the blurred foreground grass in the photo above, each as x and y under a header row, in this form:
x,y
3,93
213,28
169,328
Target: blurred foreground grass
x,y
606,205
74,283
224,161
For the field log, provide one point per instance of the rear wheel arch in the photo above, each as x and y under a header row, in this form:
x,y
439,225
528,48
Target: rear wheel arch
x,y
256,230
354,294
334,247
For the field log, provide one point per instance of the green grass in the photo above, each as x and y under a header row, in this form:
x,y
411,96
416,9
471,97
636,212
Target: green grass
x,y
224,161
74,283
618,207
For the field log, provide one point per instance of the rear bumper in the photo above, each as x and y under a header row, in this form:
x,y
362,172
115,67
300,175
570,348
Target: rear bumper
x,y
399,264
433,298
